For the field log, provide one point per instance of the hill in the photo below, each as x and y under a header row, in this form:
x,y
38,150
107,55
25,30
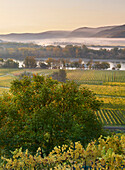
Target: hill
x,y
101,32
87,31
115,32
33,36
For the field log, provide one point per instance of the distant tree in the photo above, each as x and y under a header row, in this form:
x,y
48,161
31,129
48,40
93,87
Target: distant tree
x,y
10,63
75,64
113,68
60,76
50,61
104,65
70,51
78,52
30,62
118,66
97,65
43,65
83,66
63,62
89,64
1,60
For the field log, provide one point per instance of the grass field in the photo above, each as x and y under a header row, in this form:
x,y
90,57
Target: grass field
x,y
109,87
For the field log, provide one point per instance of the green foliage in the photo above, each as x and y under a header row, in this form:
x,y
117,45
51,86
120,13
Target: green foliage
x,y
41,112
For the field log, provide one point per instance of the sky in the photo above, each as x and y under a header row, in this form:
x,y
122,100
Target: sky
x,y
19,16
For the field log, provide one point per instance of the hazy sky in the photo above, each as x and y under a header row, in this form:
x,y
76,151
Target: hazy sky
x,y
43,15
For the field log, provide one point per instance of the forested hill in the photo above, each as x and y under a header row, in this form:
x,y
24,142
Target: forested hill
x,y
102,32
20,51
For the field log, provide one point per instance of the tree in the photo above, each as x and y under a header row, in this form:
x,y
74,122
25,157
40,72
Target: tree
x,y
10,63
118,66
41,112
50,61
43,65
60,76
1,60
97,65
89,64
30,62
104,65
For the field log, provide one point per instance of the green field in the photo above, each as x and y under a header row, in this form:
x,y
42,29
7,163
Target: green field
x,y
109,87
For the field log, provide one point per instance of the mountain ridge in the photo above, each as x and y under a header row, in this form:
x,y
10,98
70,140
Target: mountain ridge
x,y
82,32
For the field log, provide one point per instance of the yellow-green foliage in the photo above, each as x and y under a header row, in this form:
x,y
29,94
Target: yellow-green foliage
x,y
108,153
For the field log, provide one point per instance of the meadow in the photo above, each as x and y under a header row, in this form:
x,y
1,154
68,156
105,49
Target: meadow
x,y
109,87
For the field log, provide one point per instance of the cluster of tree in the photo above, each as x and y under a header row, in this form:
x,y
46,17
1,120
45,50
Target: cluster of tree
x,y
41,112
20,51
98,66
57,63
9,63
30,62
62,63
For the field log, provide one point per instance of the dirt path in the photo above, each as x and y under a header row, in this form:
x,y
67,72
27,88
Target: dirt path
x,y
114,128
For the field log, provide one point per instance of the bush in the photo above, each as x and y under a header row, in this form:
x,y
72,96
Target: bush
x,y
105,154
41,112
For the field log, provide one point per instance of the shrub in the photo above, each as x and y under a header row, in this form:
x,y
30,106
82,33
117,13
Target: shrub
x,y
105,154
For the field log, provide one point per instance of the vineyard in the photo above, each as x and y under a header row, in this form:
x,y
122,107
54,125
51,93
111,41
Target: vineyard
x,y
109,87
111,117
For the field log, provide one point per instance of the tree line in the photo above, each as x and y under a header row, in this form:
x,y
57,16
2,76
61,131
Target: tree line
x,y
20,51
51,63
